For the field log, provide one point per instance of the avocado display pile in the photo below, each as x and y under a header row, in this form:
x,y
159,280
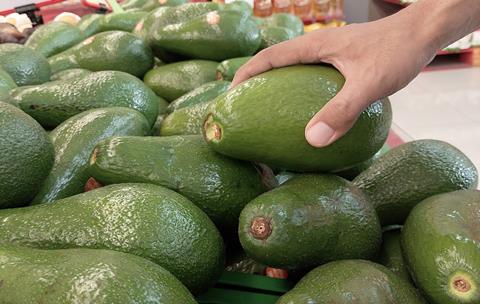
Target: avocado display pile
x,y
130,172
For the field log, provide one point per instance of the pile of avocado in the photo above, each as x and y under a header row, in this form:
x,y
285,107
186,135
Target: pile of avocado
x,y
130,171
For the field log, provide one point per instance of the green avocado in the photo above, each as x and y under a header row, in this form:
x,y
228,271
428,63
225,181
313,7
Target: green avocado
x,y
273,35
412,172
24,65
288,21
217,35
52,103
153,4
220,186
26,157
90,24
6,81
203,93
155,131
74,141
70,74
54,37
85,275
352,281
145,220
263,119
238,5
354,171
125,21
186,121
390,254
132,4
112,50
226,69
441,246
173,80
308,221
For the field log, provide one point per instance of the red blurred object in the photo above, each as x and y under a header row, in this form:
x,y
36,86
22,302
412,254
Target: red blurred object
x,y
303,10
262,8
276,273
91,185
282,6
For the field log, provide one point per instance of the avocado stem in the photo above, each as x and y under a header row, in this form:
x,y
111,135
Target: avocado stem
x,y
213,131
260,228
461,285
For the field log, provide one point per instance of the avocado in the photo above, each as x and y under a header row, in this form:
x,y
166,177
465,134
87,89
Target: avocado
x,y
24,65
54,37
236,126
412,172
284,176
112,50
285,20
153,4
238,5
70,74
217,35
226,69
26,156
146,220
354,171
390,254
132,4
203,93
307,221
52,103
273,35
186,121
351,281
155,131
173,80
90,24
125,21
85,275
220,186
74,141
6,81
440,243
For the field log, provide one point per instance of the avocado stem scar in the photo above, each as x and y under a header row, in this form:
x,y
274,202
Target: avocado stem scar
x,y
260,228
213,131
461,285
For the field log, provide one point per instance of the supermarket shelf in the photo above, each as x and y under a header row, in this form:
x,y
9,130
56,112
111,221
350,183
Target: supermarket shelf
x,y
37,5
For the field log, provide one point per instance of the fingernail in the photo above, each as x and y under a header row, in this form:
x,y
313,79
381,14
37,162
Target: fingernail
x,y
320,134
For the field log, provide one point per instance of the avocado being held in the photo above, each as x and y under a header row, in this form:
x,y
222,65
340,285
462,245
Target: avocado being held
x,y
186,121
146,220
112,50
74,141
203,93
54,102
297,225
101,276
24,65
412,172
441,246
235,124
352,281
26,157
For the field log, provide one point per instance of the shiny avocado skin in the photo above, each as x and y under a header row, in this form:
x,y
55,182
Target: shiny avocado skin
x,y
70,74
173,80
240,115
273,35
66,275
441,245
112,50
54,37
26,157
220,186
307,221
285,20
125,21
74,141
226,69
217,35
390,254
414,171
25,66
6,81
54,102
90,24
203,93
186,121
141,219
352,281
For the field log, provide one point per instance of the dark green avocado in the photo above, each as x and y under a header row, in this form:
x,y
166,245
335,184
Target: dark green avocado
x,y
390,254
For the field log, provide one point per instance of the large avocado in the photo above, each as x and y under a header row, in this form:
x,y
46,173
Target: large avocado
x,y
85,276
264,118
441,245
412,172
146,220
307,221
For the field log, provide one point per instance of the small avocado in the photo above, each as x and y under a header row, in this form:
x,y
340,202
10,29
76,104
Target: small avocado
x,y
226,69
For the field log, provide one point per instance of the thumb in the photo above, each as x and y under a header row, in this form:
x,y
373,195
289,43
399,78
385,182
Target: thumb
x,y
336,117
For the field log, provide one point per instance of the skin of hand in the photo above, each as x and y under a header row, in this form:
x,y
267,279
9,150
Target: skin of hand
x,y
376,58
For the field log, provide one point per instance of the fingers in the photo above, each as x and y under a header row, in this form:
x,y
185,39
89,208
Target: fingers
x,y
336,117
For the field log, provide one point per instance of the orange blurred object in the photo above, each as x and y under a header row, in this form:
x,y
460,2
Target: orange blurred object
x,y
303,10
282,6
276,273
262,8
321,9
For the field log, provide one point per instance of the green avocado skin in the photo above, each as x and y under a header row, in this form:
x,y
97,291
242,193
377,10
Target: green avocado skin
x,y
153,4
226,69
173,80
74,141
186,121
289,21
54,37
67,276
354,171
352,281
90,24
252,116
122,21
54,102
145,220
70,74
312,219
203,93
6,81
273,35
24,65
446,226
217,35
390,254
220,186
111,50
26,156
412,172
